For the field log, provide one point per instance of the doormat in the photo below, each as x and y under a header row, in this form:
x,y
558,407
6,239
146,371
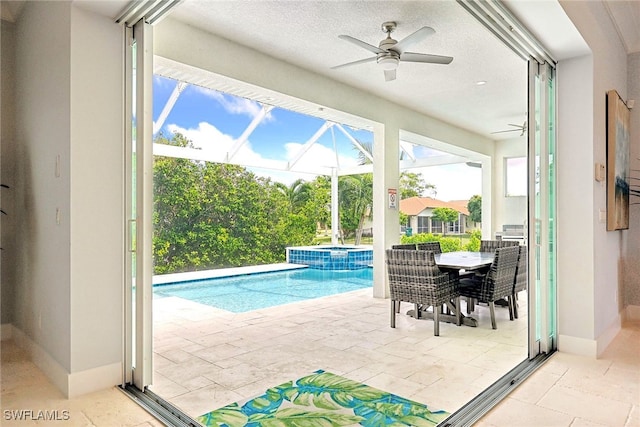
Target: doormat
x,y
324,399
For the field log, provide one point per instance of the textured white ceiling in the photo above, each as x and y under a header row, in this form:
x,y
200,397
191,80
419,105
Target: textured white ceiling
x,y
305,33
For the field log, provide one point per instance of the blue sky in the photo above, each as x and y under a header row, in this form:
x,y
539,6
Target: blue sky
x,y
212,120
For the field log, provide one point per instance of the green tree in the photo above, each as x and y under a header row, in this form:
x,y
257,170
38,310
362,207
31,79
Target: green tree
x,y
210,215
475,208
319,202
413,185
446,215
355,200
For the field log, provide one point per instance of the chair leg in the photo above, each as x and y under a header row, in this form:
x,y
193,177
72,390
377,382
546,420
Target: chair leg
x,y
458,311
510,301
416,310
398,306
492,309
436,319
393,313
470,304
515,305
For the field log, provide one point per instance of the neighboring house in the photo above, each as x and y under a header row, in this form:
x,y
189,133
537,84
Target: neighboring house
x,y
420,213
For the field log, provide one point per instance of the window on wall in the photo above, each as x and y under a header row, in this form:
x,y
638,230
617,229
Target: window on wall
x,y
436,226
423,224
515,176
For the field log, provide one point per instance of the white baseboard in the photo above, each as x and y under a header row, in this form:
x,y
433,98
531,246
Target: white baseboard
x,y
578,346
632,313
6,331
590,347
605,338
95,379
70,384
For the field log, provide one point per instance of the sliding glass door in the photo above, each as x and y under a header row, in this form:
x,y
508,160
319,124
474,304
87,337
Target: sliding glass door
x,y
542,209
139,205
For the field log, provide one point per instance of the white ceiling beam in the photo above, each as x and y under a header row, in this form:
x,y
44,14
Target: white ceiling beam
x,y
355,142
433,161
238,143
309,144
181,86
216,157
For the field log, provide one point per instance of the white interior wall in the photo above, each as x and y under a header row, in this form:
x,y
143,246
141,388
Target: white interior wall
x,y
579,221
507,210
42,288
69,266
97,182
575,204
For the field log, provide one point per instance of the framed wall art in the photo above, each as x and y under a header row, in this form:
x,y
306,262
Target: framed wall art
x,y
617,162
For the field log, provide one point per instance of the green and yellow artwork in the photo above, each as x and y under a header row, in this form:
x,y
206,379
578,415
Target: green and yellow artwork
x,y
323,399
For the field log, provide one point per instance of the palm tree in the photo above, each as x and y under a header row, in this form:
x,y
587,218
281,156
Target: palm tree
x,y
296,194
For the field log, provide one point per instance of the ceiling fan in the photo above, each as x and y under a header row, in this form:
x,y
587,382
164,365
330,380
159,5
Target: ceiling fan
x,y
517,128
391,52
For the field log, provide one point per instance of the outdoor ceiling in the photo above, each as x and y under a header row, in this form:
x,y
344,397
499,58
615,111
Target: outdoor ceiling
x,y
306,34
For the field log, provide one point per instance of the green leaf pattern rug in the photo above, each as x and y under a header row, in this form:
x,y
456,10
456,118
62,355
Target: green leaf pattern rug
x,y
323,399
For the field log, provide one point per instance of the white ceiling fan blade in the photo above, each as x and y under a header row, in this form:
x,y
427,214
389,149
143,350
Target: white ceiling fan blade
x,y
361,61
362,44
413,38
423,57
389,75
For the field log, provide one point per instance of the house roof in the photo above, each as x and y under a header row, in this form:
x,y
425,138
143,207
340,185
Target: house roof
x,y
414,205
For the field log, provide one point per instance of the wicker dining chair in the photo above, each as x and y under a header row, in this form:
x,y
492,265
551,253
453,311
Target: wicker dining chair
x,y
407,246
498,283
430,246
521,280
414,277
492,245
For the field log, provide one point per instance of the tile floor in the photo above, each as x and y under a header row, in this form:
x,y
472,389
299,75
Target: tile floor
x,y
567,391
206,358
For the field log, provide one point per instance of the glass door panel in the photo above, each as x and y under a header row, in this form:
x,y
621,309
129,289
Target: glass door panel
x,y
542,262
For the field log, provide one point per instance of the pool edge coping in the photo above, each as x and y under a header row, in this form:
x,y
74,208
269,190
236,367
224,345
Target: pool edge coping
x,y
163,279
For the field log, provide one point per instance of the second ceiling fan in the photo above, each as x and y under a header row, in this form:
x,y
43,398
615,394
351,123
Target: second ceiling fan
x,y
391,52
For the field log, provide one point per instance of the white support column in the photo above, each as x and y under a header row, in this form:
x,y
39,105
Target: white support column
x,y
386,221
487,201
335,212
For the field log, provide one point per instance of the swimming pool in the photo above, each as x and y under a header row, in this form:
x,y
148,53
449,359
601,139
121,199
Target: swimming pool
x,y
239,294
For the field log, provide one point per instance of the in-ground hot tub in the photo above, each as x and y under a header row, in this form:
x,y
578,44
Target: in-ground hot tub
x,y
331,257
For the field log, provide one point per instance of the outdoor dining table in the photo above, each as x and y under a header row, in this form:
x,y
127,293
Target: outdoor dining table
x,y
456,261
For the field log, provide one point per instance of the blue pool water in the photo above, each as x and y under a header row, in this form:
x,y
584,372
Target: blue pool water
x,y
252,292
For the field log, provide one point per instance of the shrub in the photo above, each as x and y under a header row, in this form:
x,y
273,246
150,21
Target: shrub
x,y
474,241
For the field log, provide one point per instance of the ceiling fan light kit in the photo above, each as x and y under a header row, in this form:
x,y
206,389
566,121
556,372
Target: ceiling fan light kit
x,y
388,62
391,52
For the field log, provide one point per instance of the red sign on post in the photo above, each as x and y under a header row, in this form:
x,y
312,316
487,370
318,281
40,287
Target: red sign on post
x,y
393,198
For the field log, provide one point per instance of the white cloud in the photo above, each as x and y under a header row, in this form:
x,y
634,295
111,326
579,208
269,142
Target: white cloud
x,y
453,182
217,144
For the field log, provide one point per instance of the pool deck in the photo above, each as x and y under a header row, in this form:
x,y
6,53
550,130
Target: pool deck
x,y
163,279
